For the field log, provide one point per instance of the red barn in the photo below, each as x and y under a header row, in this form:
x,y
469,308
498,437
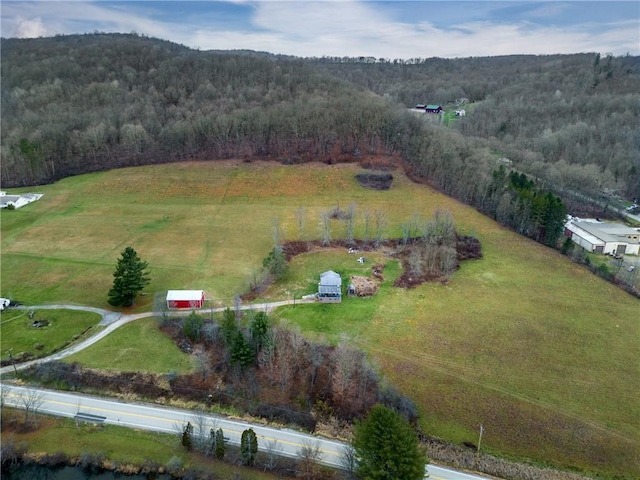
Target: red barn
x,y
185,298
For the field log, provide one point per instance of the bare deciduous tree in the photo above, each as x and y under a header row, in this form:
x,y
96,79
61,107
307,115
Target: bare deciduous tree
x,y
325,228
349,224
309,455
202,425
406,232
160,309
366,215
345,366
266,355
300,218
285,359
277,232
348,460
237,304
415,262
202,361
299,347
448,260
380,225
445,227
31,402
272,451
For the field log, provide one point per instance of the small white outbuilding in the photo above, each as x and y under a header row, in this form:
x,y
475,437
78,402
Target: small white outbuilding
x,y
185,298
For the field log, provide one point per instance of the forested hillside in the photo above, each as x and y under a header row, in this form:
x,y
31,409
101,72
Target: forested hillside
x,y
571,120
82,103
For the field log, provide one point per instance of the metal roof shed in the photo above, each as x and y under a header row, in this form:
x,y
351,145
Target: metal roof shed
x,y
185,298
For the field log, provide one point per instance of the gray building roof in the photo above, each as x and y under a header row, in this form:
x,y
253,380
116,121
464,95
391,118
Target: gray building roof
x,y
608,232
330,278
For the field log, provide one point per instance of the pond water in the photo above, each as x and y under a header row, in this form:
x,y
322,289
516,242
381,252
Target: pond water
x,y
39,472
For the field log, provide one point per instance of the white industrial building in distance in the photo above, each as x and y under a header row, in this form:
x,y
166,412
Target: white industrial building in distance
x,y
19,200
603,237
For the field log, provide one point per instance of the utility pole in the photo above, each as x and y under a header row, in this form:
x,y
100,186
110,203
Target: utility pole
x,y
480,440
12,362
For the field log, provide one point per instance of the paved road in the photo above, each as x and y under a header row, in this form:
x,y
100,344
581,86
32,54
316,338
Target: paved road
x,y
171,420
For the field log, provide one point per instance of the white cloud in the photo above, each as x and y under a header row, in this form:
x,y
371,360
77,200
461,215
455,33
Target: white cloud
x,y
356,28
29,28
310,19
78,17
339,28
548,10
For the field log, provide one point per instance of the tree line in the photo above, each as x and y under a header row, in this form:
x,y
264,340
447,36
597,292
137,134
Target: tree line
x,y
93,102
570,120
248,361
82,103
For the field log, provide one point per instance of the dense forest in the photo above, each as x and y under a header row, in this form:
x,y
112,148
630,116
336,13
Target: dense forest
x,y
539,128
92,102
569,120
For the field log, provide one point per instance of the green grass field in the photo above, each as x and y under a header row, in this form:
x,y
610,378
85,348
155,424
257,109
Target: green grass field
x,y
122,446
139,346
19,335
540,351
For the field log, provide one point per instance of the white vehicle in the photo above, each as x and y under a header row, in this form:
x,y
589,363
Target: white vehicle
x,y
4,303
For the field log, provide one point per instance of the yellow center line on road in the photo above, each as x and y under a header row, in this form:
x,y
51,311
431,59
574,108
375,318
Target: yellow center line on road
x,y
119,413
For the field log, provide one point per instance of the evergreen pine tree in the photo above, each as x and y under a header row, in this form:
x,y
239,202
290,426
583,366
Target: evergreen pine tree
x,y
211,443
129,278
187,437
192,326
259,328
248,446
241,351
387,448
220,445
229,327
276,262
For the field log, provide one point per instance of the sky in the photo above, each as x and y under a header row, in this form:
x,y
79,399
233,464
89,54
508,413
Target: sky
x,y
381,29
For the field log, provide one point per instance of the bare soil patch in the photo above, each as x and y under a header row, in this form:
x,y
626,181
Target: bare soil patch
x,y
376,181
363,286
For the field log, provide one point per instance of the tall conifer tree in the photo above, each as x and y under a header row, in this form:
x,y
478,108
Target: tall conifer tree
x,y
387,448
129,278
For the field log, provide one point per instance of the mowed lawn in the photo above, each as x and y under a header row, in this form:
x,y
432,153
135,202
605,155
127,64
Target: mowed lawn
x,y
538,350
19,334
139,347
121,446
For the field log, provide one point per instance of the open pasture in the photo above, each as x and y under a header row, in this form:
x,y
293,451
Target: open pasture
x,y
202,226
136,347
43,332
539,359
537,349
